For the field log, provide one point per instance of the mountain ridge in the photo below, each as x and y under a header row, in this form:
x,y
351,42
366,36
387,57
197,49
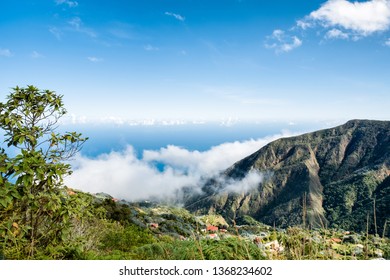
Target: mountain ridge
x,y
330,173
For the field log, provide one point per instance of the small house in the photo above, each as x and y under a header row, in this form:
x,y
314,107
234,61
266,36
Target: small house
x,y
211,228
153,226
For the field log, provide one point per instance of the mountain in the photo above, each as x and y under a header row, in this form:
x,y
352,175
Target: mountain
x,y
329,178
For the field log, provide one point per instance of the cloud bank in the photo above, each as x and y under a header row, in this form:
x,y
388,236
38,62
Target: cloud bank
x,y
126,176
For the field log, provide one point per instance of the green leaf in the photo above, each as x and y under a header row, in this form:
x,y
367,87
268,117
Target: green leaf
x,y
27,180
3,203
32,138
15,194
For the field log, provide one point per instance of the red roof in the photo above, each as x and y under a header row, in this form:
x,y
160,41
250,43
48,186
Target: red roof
x,y
212,228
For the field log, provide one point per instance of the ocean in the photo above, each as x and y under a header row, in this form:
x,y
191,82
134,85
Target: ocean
x,y
200,137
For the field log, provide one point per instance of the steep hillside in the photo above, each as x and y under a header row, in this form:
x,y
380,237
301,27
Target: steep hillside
x,y
334,177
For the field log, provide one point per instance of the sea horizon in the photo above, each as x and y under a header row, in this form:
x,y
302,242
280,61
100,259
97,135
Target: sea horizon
x,y
139,162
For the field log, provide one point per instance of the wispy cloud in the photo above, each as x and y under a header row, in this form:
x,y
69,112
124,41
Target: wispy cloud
x,y
123,174
336,34
249,182
282,42
121,33
387,43
36,55
75,22
94,59
150,48
77,25
71,4
176,16
243,95
303,24
56,32
124,31
5,52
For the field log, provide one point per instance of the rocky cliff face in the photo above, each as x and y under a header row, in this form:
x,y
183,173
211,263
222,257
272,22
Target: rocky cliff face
x,y
333,177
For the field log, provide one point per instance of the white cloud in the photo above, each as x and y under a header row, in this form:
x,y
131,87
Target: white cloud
x,y
150,48
73,119
124,175
229,122
337,19
282,42
71,4
336,34
208,162
387,43
249,182
5,52
176,16
94,59
362,18
304,24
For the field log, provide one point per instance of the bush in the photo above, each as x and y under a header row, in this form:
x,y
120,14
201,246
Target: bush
x,y
127,239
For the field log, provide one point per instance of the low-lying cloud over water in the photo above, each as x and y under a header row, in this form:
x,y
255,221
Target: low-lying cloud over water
x,y
162,173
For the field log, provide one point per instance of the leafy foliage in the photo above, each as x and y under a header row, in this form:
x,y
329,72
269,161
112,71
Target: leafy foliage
x,y
35,208
127,238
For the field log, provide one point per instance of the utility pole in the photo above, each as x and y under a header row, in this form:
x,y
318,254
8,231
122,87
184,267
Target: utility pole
x,y
376,228
304,210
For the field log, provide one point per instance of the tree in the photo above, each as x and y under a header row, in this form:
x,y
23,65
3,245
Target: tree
x,y
35,208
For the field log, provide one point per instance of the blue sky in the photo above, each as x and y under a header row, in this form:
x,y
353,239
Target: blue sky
x,y
198,60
